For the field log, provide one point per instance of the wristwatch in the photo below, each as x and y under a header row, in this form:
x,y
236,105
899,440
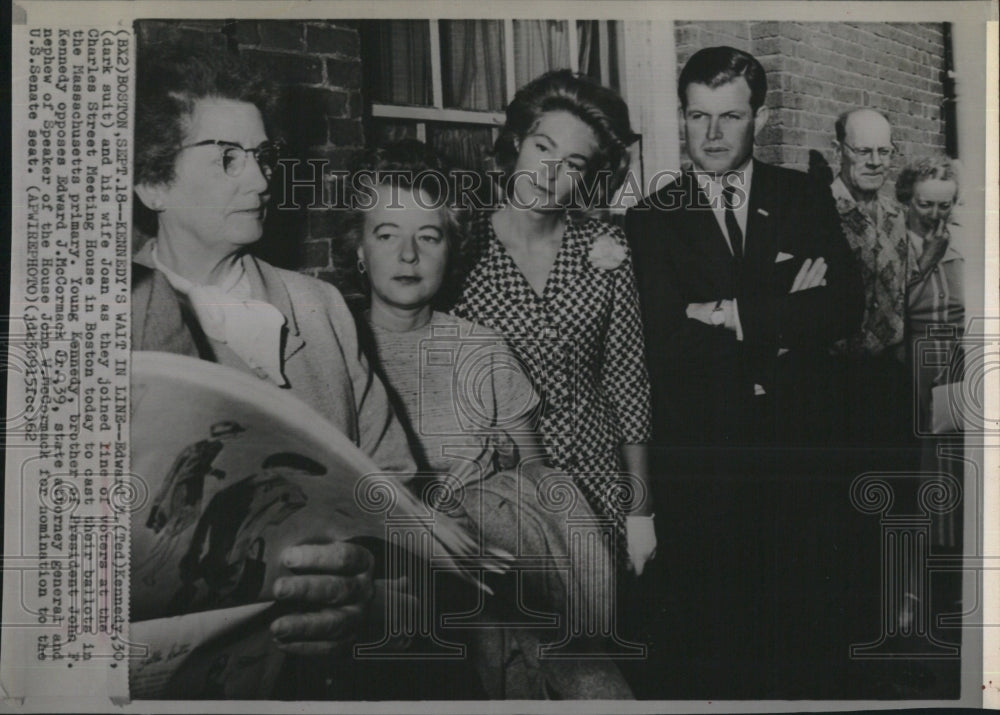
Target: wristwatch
x,y
718,314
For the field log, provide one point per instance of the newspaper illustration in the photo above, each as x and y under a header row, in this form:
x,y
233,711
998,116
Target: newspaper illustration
x,y
235,471
734,268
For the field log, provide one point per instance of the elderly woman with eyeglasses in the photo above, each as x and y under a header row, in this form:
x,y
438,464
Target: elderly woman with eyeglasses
x,y
928,188
203,161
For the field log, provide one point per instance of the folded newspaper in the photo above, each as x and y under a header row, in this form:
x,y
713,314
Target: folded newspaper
x,y
234,471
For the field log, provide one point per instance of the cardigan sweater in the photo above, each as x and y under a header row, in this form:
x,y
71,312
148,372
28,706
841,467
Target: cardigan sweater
x,y
321,357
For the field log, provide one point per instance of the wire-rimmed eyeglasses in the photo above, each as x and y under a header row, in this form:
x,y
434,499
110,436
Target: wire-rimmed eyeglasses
x,y
884,153
234,156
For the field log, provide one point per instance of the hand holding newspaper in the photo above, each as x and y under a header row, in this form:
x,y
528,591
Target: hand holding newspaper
x,y
234,471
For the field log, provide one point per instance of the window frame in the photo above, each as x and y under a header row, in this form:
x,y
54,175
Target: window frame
x,y
438,113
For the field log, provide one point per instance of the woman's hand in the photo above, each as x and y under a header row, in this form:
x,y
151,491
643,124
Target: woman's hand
x,y
330,592
639,533
641,541
935,245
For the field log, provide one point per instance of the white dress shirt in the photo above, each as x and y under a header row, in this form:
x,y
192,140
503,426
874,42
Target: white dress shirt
x,y
740,179
713,187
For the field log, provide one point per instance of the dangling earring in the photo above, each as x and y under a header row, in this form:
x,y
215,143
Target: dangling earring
x,y
361,266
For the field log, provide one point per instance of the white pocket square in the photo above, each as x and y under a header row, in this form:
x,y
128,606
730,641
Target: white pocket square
x,y
782,257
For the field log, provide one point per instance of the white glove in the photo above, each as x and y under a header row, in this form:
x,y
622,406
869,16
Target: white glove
x,y
641,538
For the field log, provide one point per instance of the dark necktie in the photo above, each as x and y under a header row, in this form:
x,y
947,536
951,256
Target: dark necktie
x,y
732,225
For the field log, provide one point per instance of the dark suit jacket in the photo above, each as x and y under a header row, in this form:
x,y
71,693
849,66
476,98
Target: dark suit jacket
x,y
703,379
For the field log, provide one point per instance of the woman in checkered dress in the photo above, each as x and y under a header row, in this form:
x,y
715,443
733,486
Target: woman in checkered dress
x,y
560,288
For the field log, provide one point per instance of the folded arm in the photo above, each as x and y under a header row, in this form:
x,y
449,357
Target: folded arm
x,y
825,301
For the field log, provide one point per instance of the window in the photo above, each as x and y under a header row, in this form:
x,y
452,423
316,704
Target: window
x,y
446,82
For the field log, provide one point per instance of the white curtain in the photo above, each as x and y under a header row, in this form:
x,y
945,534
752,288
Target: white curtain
x,y
588,59
404,75
472,59
472,64
473,72
539,46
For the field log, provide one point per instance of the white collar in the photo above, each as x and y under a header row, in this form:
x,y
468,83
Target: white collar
x,y
234,282
711,184
227,313
846,202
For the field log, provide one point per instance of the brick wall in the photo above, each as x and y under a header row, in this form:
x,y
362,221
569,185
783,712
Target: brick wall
x,y
817,70
317,64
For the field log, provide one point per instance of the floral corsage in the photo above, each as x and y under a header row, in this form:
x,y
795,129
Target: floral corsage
x,y
606,253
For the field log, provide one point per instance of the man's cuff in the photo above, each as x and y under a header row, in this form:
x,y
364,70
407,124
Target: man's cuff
x,y
735,317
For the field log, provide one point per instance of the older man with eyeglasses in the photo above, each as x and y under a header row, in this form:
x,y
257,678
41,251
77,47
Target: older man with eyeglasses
x,y
875,227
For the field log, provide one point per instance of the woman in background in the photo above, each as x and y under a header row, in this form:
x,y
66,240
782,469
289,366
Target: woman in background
x,y
560,288
928,189
470,410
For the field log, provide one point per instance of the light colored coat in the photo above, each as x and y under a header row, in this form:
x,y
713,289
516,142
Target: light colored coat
x,y
321,358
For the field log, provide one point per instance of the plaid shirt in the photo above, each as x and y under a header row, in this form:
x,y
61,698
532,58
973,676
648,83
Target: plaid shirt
x,y
881,247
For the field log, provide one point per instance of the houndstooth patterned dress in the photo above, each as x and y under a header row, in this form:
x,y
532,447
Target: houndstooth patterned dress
x,y
582,344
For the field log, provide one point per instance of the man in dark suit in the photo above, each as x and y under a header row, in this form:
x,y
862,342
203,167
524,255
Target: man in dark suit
x,y
741,295
745,282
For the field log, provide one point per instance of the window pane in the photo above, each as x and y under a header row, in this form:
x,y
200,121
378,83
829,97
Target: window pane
x,y
472,64
539,46
614,70
590,55
399,70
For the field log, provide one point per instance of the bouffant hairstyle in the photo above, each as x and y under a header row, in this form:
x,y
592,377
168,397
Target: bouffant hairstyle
x,y
716,66
407,164
928,167
601,108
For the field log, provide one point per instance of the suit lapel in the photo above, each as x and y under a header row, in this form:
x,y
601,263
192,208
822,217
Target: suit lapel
x,y
158,321
761,242
704,232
